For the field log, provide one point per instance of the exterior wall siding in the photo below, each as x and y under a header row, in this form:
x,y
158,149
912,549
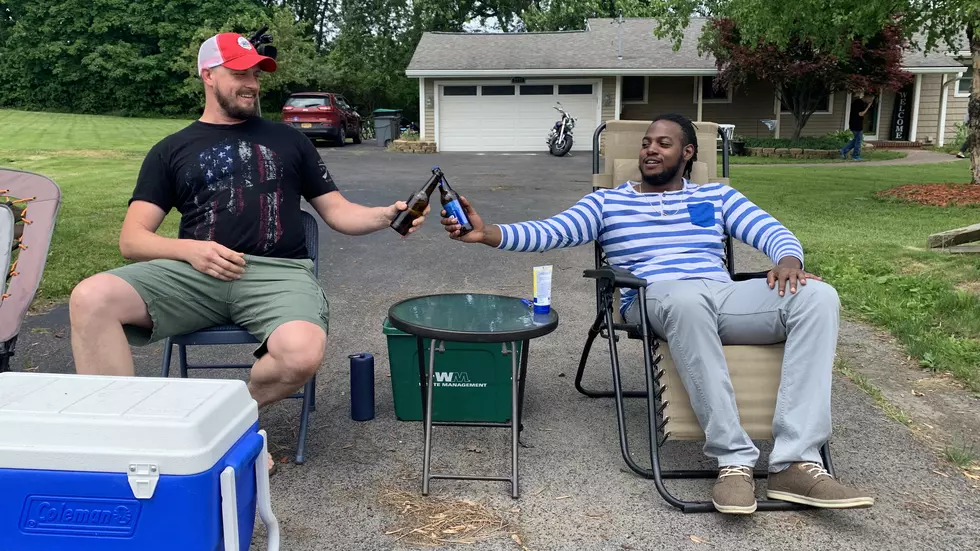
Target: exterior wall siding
x,y
928,115
751,104
819,123
430,112
955,112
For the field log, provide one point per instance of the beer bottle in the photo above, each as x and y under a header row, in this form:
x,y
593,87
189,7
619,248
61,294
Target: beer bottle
x,y
450,202
416,204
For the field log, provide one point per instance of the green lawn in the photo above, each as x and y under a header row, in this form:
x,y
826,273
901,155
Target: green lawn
x,y
45,131
95,161
871,156
95,187
871,250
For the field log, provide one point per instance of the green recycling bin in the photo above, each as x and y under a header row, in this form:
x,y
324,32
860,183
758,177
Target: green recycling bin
x,y
471,382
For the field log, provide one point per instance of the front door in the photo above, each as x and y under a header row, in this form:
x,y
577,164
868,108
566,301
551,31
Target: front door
x,y
872,120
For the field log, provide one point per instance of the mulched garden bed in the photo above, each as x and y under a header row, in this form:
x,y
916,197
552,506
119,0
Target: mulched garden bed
x,y
938,195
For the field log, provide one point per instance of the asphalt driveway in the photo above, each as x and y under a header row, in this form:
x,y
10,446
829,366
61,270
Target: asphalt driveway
x,y
577,491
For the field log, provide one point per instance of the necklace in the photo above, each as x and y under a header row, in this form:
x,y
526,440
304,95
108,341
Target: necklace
x,y
660,200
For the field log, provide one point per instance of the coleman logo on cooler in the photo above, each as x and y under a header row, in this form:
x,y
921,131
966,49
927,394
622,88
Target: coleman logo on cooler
x,y
108,517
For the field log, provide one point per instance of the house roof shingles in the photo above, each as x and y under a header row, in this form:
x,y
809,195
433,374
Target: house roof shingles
x,y
593,49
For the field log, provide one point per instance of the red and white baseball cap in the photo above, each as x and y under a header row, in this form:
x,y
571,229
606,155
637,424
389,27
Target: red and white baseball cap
x,y
233,51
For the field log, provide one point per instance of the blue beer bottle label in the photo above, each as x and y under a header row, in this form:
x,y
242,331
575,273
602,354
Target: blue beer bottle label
x,y
453,208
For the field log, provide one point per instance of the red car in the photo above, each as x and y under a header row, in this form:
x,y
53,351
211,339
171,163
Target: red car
x,y
323,115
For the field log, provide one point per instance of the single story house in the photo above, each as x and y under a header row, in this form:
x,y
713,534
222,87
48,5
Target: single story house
x,y
495,91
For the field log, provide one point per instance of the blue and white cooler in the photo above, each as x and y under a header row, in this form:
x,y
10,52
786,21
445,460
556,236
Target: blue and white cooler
x,y
130,463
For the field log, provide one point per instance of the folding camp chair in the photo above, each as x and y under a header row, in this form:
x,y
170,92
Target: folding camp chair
x,y
754,370
28,208
234,334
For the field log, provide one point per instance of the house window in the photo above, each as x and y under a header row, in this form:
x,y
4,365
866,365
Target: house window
x,y
824,107
575,89
964,84
708,92
498,90
459,90
537,89
634,90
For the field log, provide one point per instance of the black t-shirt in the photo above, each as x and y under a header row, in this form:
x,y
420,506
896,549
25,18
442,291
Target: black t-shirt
x,y
856,121
237,184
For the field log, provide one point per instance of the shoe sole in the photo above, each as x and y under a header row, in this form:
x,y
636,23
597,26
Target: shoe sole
x,y
852,503
736,509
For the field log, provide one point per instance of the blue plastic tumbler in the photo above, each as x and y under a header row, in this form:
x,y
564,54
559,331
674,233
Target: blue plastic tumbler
x,y
361,387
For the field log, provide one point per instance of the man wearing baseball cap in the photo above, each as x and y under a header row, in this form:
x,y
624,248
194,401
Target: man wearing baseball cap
x,y
240,256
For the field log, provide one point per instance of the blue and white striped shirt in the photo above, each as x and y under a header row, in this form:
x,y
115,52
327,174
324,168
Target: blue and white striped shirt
x,y
675,235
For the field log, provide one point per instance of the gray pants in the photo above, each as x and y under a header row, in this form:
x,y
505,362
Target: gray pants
x,y
696,317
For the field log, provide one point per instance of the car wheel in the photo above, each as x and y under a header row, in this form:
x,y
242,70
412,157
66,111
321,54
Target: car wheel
x,y
342,141
357,136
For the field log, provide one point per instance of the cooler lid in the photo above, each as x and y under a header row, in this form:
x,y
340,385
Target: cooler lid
x,y
105,424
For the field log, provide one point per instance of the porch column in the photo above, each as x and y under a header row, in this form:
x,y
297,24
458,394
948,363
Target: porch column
x,y
619,97
915,107
422,109
700,98
778,108
943,94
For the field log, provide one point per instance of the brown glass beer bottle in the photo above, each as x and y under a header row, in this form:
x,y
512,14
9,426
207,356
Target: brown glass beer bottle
x,y
416,204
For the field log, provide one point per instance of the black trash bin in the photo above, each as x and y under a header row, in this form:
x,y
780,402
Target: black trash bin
x,y
386,125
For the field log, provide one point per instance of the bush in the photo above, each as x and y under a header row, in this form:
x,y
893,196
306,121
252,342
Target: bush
x,y
410,136
828,142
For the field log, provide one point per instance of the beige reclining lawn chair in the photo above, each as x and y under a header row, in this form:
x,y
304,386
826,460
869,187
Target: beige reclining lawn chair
x,y
28,208
754,370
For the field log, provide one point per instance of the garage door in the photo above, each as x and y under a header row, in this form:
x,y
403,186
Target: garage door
x,y
513,117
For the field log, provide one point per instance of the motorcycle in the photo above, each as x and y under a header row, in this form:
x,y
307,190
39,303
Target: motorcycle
x,y
560,138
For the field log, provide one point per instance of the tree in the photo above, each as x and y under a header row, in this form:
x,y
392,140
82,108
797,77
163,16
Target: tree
x,y
571,15
831,25
803,74
299,65
111,56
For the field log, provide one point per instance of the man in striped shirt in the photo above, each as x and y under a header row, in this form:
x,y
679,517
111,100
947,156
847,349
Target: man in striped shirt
x,y
671,233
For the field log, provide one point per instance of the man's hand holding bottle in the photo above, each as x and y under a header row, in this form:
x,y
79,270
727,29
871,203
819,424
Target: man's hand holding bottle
x,y
481,232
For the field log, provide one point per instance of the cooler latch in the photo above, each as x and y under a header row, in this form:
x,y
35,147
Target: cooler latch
x,y
143,479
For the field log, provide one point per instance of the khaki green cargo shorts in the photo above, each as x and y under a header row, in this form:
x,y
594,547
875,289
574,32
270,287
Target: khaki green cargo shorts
x,y
180,299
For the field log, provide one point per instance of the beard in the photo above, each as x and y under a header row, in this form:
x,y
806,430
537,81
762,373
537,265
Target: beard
x,y
234,110
664,177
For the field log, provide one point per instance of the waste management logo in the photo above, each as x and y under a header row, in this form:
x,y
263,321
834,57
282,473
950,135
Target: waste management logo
x,y
458,379
54,515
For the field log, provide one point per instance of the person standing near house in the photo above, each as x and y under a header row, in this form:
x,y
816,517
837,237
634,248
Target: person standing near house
x,y
859,108
966,142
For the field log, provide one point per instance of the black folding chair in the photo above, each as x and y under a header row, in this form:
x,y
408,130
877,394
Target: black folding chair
x,y
234,334
754,370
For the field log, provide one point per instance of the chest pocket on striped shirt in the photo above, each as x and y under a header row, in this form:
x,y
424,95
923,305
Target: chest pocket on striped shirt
x,y
702,214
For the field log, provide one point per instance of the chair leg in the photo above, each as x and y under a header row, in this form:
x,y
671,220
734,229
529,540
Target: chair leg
x,y
167,353
594,331
313,394
827,462
304,418
182,359
618,394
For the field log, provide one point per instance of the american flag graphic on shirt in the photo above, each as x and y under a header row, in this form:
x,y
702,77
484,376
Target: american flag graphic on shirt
x,y
222,176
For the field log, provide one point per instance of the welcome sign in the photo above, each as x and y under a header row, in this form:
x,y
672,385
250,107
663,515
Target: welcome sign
x,y
902,114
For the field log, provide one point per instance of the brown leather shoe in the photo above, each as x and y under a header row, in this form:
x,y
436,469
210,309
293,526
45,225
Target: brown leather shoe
x,y
734,491
810,484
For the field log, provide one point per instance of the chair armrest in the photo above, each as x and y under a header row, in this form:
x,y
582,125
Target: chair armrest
x,y
617,277
604,181
750,275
